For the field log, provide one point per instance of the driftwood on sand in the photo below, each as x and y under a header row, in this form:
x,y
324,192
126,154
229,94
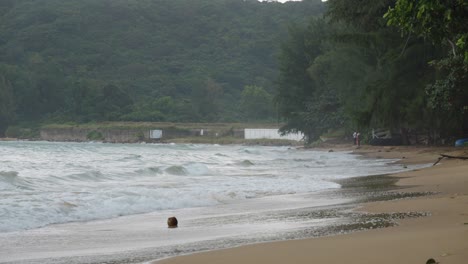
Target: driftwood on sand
x,y
449,157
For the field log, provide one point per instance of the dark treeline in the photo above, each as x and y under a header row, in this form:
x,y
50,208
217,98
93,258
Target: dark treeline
x,y
146,60
392,64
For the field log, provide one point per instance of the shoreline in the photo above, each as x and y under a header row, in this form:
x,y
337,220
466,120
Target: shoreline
x,y
145,237
443,235
200,140
369,210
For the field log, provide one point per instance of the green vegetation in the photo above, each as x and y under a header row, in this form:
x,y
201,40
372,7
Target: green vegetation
x,y
13,132
22,132
94,135
444,23
146,61
256,104
394,64
343,65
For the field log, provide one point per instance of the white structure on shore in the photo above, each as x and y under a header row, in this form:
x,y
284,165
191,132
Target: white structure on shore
x,y
250,133
156,134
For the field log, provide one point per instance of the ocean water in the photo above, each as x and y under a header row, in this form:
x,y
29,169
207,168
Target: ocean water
x,y
65,200
44,183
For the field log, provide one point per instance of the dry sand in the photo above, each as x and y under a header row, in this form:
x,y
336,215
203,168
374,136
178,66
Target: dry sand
x,y
442,236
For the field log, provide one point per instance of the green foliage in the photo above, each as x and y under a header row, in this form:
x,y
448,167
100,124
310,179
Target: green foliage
x,y
256,103
296,87
361,74
449,94
362,14
13,132
119,60
30,133
444,23
140,135
21,132
7,105
94,135
206,100
437,21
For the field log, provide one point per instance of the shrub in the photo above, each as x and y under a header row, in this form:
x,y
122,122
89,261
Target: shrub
x,y
13,132
140,135
94,135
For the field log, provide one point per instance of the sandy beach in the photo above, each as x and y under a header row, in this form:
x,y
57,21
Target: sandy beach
x,y
443,235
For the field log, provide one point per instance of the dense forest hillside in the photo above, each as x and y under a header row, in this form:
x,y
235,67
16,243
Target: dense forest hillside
x,y
319,67
146,60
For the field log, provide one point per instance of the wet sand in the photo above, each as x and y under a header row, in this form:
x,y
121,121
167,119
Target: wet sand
x,y
442,234
142,238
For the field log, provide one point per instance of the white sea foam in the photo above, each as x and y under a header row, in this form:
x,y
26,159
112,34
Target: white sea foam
x,y
43,183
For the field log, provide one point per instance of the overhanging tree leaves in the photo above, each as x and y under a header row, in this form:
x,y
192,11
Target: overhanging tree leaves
x,y
442,23
436,20
362,74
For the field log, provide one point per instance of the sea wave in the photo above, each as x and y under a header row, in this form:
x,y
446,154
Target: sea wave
x,y
149,171
48,183
244,163
11,180
72,207
189,169
176,170
94,175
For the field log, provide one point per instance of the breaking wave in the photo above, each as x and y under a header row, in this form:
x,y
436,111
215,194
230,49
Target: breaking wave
x,y
11,180
66,182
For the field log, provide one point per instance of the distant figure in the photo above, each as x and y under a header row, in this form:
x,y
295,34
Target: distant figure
x,y
354,137
357,139
431,261
172,222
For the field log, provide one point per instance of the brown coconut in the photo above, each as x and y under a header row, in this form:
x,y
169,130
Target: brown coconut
x,y
172,222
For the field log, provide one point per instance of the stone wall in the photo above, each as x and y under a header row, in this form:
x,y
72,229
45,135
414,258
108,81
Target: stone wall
x,y
115,135
81,134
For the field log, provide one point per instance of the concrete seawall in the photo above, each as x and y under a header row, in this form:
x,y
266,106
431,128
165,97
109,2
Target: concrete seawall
x,y
125,135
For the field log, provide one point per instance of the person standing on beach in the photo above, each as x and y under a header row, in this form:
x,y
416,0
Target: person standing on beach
x,y
357,139
354,137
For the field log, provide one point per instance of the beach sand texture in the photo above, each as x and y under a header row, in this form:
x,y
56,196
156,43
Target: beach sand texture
x,y
443,235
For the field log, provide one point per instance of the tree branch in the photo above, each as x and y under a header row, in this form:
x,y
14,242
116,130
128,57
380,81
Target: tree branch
x,y
453,47
406,44
454,157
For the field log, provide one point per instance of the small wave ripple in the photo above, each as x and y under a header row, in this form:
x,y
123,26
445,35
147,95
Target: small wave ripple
x,y
11,180
245,163
190,169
